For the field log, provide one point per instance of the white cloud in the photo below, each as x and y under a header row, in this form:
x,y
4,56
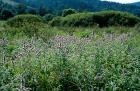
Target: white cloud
x,y
123,1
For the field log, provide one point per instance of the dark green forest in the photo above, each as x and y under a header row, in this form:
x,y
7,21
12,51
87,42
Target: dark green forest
x,y
9,8
136,4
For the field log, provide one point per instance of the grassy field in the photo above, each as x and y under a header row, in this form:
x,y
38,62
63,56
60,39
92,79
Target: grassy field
x,y
69,59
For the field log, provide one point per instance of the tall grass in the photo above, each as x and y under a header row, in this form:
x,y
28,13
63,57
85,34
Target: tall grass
x,y
107,61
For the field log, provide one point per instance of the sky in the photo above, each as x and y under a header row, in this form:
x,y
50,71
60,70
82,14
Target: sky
x,y
123,1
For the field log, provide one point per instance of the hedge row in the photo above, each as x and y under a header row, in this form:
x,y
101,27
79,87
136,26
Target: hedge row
x,y
103,19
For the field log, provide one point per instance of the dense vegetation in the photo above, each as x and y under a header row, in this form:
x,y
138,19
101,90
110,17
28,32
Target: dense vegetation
x,y
136,4
82,5
24,20
66,12
42,7
48,17
105,18
74,59
71,51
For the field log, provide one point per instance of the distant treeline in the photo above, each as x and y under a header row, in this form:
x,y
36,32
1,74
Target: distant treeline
x,y
56,7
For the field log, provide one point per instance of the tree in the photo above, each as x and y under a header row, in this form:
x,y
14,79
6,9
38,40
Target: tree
x,y
31,11
21,8
42,10
5,14
66,12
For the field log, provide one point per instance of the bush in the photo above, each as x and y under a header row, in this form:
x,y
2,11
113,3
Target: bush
x,y
24,20
117,18
56,21
48,17
66,12
29,24
103,19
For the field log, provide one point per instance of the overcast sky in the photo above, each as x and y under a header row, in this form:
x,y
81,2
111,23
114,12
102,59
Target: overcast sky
x,y
123,1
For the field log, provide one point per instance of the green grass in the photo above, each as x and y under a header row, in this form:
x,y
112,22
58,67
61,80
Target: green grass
x,y
70,59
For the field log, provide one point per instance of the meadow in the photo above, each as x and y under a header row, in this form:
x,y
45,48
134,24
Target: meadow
x,y
39,57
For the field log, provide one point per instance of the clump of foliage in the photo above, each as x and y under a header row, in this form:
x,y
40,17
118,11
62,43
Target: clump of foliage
x,y
103,19
117,18
23,20
56,21
29,24
48,17
66,12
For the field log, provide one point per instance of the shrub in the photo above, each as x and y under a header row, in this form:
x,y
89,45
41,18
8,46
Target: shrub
x,y
66,12
24,20
117,18
29,24
103,19
56,21
48,17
